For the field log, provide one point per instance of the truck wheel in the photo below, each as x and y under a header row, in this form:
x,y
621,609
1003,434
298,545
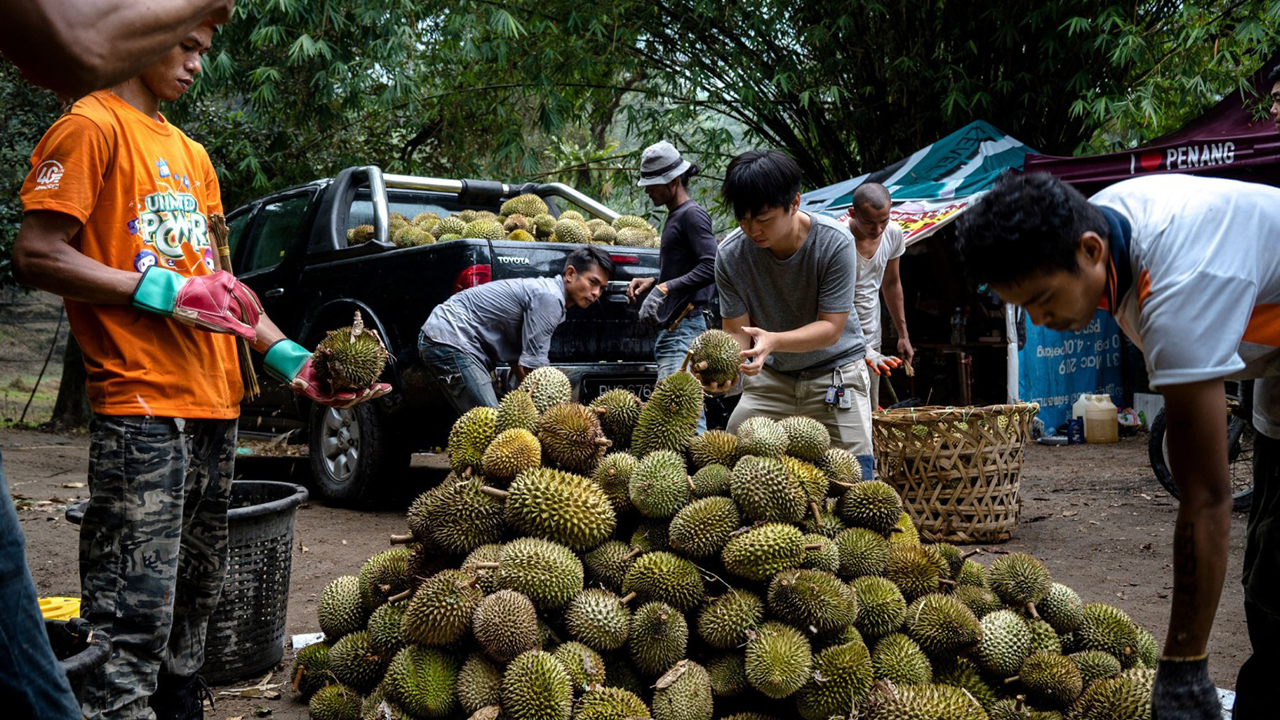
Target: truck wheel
x,y
351,449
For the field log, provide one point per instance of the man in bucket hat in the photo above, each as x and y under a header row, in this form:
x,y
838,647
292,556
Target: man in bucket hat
x,y
686,262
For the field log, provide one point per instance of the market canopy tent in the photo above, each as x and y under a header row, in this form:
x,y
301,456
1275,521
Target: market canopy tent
x,y
935,184
1233,139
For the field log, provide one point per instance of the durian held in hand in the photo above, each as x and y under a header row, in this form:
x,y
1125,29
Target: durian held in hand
x,y
342,372
715,358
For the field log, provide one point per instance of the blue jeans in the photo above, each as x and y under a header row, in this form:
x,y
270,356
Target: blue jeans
x,y
32,683
464,382
671,347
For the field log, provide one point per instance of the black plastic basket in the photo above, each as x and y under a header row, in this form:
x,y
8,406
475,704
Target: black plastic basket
x,y
246,632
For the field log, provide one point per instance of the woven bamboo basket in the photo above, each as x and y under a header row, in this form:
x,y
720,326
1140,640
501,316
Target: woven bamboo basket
x,y
957,469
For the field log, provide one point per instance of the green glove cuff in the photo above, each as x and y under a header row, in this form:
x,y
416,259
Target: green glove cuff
x,y
285,359
157,291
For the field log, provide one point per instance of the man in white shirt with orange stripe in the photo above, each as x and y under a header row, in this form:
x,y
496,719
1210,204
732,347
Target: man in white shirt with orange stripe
x,y
1190,268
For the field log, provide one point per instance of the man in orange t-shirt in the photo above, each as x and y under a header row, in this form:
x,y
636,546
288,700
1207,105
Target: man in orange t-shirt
x,y
117,207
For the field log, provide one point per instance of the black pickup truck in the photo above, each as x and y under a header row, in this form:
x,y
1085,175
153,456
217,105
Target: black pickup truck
x,y
291,248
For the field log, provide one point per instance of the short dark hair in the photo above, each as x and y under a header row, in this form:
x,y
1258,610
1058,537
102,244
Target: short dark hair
x,y
586,256
1027,223
871,193
1273,77
758,180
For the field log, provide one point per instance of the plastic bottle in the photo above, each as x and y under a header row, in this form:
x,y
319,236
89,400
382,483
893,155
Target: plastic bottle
x,y
1100,422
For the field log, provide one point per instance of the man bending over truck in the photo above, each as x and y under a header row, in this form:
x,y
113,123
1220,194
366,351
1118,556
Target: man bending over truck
x,y
507,321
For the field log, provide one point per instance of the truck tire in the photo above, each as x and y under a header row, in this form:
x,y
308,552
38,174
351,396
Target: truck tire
x,y
1239,459
352,450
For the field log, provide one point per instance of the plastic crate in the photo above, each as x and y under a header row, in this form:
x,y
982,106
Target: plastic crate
x,y
246,632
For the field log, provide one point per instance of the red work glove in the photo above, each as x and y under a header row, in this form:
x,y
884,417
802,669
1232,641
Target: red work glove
x,y
289,362
217,302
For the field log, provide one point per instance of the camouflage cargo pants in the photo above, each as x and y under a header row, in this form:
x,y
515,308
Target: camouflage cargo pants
x,y
153,551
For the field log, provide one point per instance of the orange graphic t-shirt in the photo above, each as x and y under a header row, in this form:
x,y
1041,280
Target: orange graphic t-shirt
x,y
142,191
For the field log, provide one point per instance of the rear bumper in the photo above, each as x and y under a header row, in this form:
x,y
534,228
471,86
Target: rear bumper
x,y
591,379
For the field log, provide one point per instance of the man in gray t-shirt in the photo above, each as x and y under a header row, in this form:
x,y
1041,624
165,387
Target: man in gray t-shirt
x,y
509,321
786,293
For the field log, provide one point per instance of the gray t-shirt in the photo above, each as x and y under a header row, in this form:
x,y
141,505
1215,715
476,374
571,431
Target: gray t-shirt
x,y
503,321
782,295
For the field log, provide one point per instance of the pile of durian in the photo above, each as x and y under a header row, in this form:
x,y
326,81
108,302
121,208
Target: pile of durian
x,y
524,217
603,563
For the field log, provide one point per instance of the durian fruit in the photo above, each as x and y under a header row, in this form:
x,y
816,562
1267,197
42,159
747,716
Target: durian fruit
x,y
469,437
558,506
935,702
619,412
383,575
547,573
881,607
826,524
571,437
666,578
467,216
452,225
714,447
841,679
898,659
824,557
728,674
1127,695
1005,643
807,439
973,574
583,665
631,221
520,236
1043,637
1061,608
350,358
447,237
484,229
841,466
505,624
516,221
511,453
764,550
458,516
547,386
1020,580
610,703
915,569
1051,679
607,565
904,533
439,612
411,236
670,417
778,660
632,237
950,553
479,683
425,219
572,215
516,410
873,505
613,476
311,669
714,357
979,600
726,621
711,480
650,535
765,490
941,625
812,600
702,528
341,609
386,629
1095,665
762,437
963,673
598,619
569,231
862,552
536,687
355,663
360,235
683,693
377,706
813,483
544,225
424,681
1148,649
604,236
1107,628
659,486
527,204
335,702
658,638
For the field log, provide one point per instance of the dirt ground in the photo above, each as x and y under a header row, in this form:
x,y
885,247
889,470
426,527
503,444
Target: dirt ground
x,y
1094,514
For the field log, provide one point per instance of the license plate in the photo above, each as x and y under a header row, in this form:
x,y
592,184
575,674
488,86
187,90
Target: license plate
x,y
641,386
